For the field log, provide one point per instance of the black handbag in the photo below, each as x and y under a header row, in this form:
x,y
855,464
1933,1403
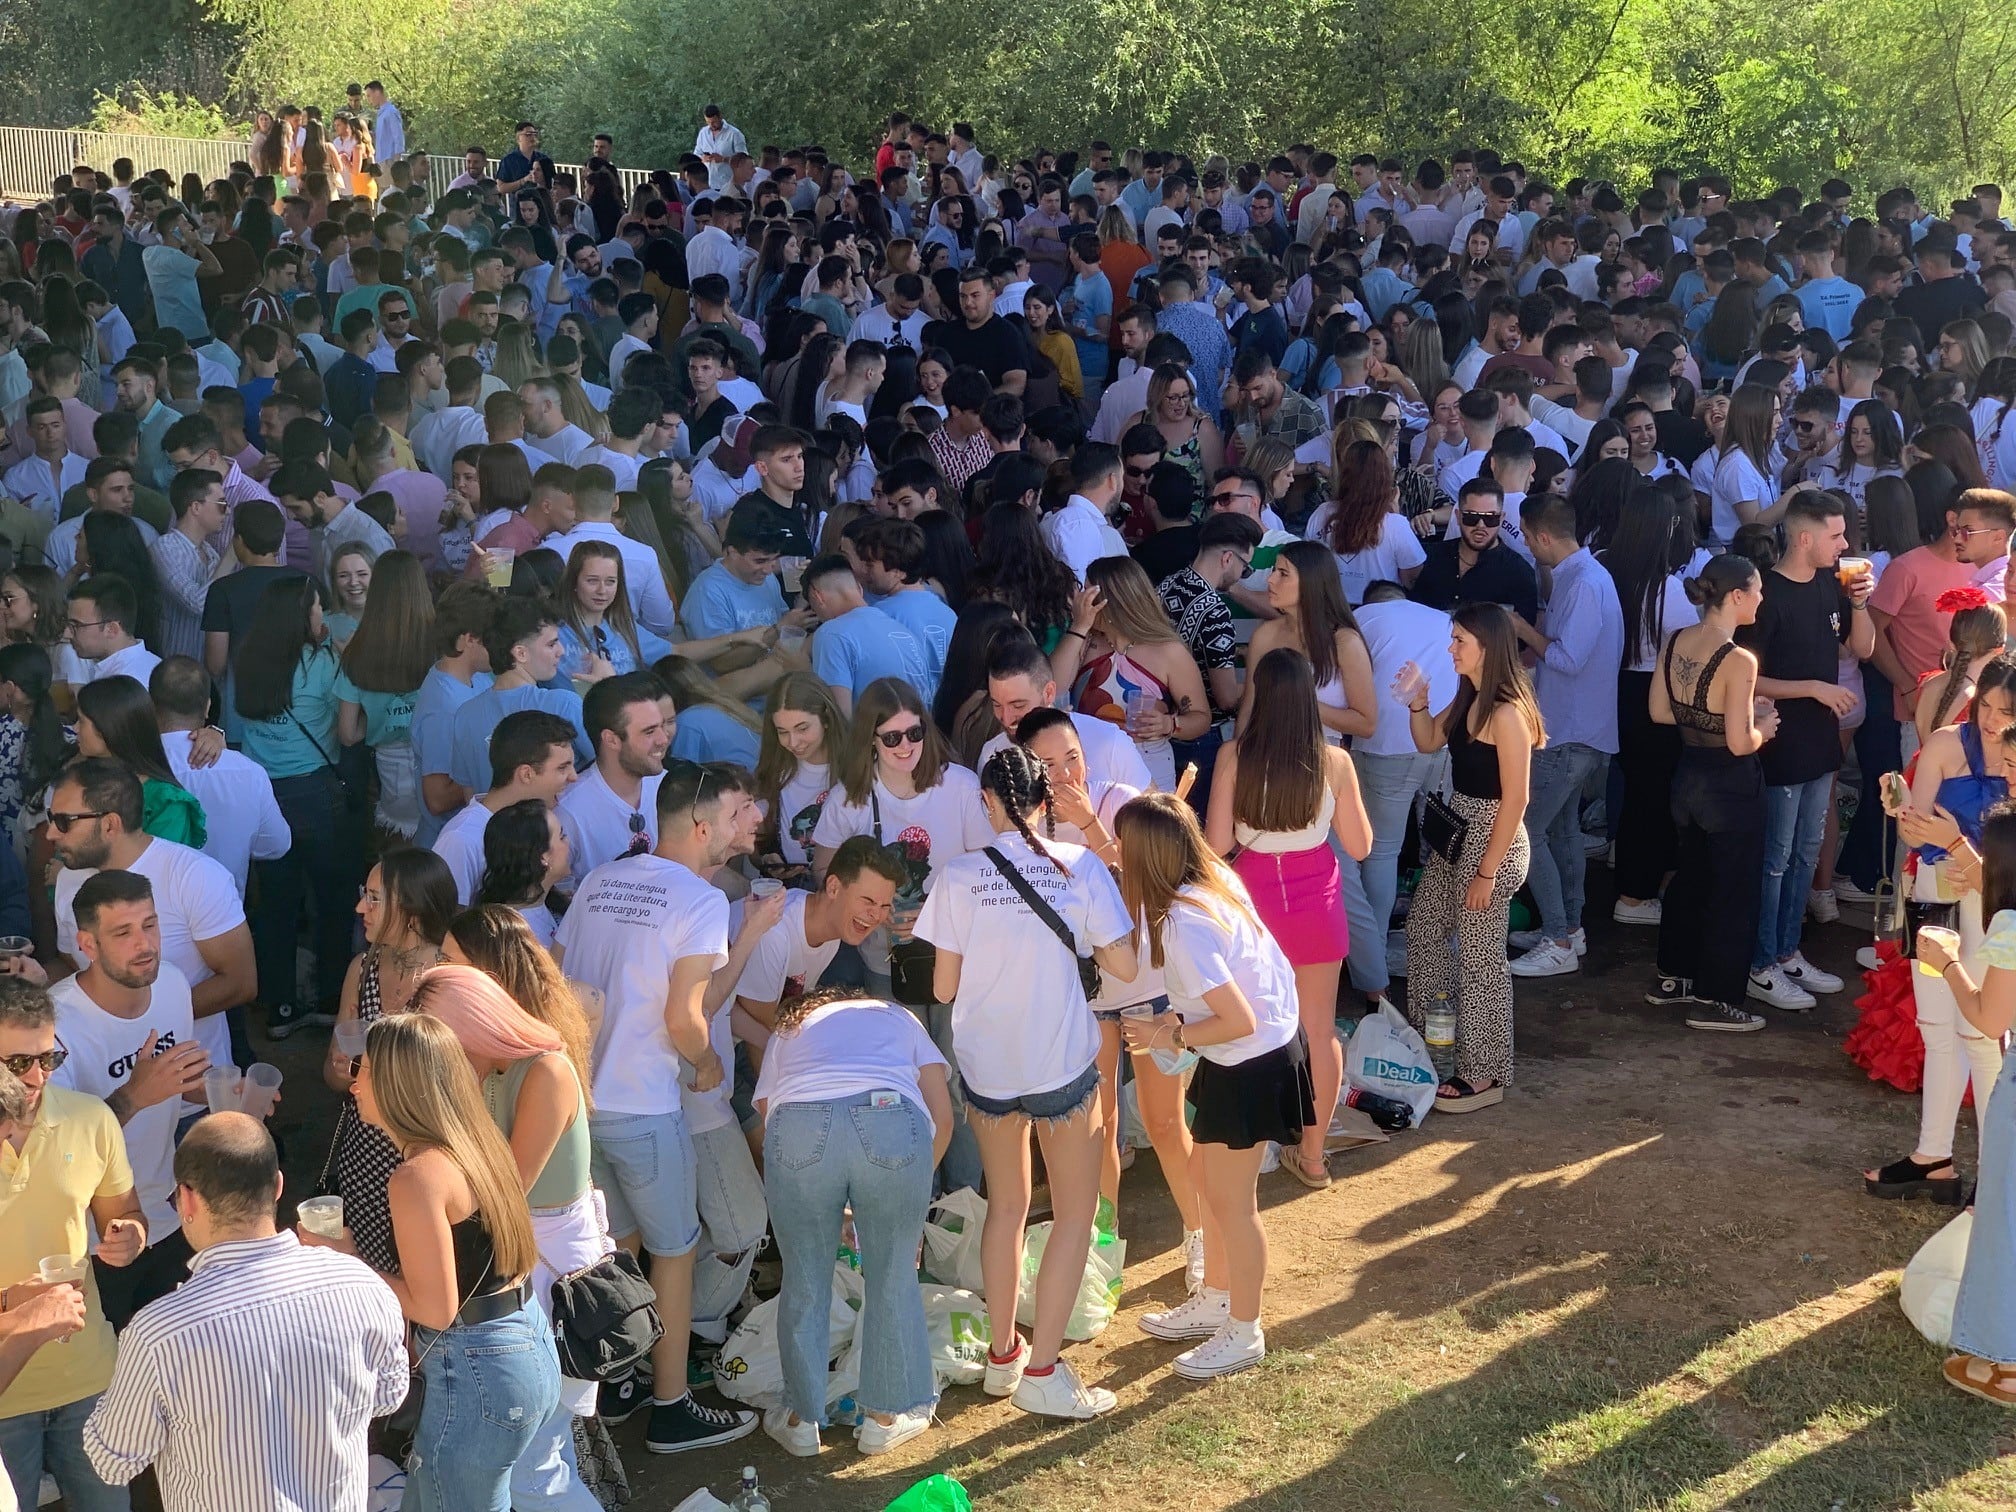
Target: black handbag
x,y
605,1318
1088,969
1443,830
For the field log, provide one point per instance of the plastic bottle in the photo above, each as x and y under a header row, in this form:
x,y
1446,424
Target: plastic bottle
x,y
751,1498
1389,1113
1441,1036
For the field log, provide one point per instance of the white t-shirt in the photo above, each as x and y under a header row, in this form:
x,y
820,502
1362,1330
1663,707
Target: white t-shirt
x,y
597,823
1396,633
1110,753
1736,477
1078,535
242,819
103,1049
460,844
195,899
785,963
539,919
564,445
1202,950
631,923
1020,1023
799,804
1397,550
1675,613
714,1108
844,1049
933,826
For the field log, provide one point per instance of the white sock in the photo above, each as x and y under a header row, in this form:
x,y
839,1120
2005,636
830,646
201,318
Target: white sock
x,y
658,1401
1244,1334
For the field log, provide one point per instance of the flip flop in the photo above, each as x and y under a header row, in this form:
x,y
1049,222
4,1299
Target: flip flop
x,y
1466,1098
1985,1379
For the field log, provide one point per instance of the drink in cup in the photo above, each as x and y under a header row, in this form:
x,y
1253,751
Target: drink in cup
x,y
497,561
262,1090
1947,937
1409,684
1139,703
1849,570
15,945
223,1089
57,1269
323,1216
1168,1059
350,1038
765,887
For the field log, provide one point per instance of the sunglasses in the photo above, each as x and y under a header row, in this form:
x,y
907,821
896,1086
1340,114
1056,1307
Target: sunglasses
x,y
1132,472
48,1060
1473,517
895,740
1229,497
397,314
680,767
640,841
61,822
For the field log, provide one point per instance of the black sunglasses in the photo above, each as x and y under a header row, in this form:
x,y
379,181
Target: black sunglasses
x,y
896,739
1475,517
61,822
680,767
48,1060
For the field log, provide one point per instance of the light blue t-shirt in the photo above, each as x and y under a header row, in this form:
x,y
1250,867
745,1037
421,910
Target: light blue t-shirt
x,y
719,603
286,746
1829,304
469,759
930,621
388,717
1095,298
575,652
705,733
863,644
433,734
171,275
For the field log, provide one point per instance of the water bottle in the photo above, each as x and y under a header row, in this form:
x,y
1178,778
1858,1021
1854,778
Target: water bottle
x,y
751,1498
1389,1113
1441,1023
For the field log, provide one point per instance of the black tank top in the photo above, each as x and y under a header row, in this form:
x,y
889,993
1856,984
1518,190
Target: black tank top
x,y
475,1259
1473,763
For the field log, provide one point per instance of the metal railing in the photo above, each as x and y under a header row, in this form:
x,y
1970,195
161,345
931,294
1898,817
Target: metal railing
x,y
32,158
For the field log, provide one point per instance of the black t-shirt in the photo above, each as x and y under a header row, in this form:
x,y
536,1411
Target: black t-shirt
x,y
706,425
793,538
1166,552
997,348
1501,576
234,598
1798,636
1681,437
1934,306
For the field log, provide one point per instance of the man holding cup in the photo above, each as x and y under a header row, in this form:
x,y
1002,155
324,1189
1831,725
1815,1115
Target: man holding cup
x,y
67,1164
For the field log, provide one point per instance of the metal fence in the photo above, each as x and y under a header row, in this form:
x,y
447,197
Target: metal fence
x,y
32,158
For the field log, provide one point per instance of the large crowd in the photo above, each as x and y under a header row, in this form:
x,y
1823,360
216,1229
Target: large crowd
x,y
732,705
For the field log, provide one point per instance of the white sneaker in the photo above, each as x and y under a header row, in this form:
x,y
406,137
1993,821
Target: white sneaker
x,y
1001,1380
1867,959
1061,1394
1270,1159
1846,891
1772,986
1546,959
1193,1261
1220,1355
1525,939
1645,911
1822,906
880,1438
801,1438
1809,976
1199,1318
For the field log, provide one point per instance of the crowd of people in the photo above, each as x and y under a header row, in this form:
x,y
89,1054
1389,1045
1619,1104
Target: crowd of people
x,y
735,705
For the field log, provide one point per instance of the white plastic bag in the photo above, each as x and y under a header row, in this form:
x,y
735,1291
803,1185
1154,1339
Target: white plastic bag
x,y
1386,1056
1932,1280
958,1324
750,1368
952,1240
1098,1289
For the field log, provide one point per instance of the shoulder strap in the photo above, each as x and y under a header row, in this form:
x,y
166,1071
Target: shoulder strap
x,y
875,808
1707,677
1035,900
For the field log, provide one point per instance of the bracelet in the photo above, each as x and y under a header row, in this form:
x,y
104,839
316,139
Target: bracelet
x,y
1080,634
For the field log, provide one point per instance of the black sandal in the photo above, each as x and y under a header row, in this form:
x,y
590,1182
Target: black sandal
x,y
1457,1096
1904,1179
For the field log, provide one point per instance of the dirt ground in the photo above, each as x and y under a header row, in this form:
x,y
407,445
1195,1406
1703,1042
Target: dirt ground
x,y
1649,1280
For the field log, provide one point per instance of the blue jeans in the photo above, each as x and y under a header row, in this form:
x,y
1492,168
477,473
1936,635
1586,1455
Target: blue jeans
x,y
492,1393
644,1164
1389,785
54,1441
546,1477
1554,831
872,1150
1795,822
732,1222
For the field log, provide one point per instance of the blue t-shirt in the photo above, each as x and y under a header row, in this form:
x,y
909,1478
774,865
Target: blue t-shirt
x,y
388,717
863,644
1095,298
1829,304
575,653
930,621
433,734
719,603
286,746
469,759
706,733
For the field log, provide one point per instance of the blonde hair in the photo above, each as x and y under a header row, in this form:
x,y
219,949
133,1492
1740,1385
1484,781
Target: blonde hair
x,y
1163,852
498,941
518,358
1132,606
427,1097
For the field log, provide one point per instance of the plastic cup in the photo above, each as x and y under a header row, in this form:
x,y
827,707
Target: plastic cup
x,y
15,945
322,1215
1947,937
765,887
497,566
350,1038
223,1089
1139,702
1408,684
1848,568
262,1090
56,1269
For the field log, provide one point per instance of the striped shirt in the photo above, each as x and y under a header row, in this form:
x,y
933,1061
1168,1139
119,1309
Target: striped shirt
x,y
251,1388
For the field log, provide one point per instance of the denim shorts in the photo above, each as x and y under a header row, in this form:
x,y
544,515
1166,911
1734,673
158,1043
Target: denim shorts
x,y
1160,1003
1043,1107
643,1162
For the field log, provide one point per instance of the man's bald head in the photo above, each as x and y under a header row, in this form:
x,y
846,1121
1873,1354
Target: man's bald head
x,y
229,1163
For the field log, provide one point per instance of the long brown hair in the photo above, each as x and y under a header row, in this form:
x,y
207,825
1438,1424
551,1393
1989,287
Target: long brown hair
x,y
1283,757
392,648
1501,680
1361,496
1748,428
881,701
617,616
1321,609
427,1097
498,942
801,693
1162,852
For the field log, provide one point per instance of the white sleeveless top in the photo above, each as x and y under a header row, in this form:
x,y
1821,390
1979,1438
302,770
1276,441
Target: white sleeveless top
x,y
1282,842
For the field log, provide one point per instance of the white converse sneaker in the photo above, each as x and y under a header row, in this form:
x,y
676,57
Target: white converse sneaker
x,y
1548,958
1193,1261
1822,906
1803,972
1199,1318
1644,911
1061,1394
1002,1379
880,1438
1221,1354
801,1438
1772,986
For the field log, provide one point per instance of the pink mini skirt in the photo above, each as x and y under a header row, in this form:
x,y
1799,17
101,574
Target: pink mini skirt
x,y
1299,896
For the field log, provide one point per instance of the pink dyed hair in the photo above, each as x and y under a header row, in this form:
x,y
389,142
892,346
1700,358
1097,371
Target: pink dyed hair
x,y
486,1022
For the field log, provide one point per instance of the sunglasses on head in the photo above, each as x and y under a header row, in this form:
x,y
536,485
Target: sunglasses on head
x,y
893,740
640,841
1474,517
48,1060
680,767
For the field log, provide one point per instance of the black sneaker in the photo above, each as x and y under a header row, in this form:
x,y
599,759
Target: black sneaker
x,y
1669,992
618,1401
284,1018
685,1424
1724,1018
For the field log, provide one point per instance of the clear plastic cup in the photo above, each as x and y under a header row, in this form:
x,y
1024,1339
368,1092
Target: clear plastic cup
x,y
1408,684
350,1038
1848,568
262,1090
1167,1059
322,1215
223,1089
15,945
765,887
1947,937
497,565
1139,702
57,1269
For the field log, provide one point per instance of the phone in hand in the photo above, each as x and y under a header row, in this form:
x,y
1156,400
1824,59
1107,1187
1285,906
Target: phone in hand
x,y
1896,793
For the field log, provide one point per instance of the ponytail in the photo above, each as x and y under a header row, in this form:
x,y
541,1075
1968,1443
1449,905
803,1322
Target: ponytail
x,y
1021,785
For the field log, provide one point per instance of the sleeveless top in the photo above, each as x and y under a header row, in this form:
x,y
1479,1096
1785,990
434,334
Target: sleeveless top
x,y
566,1174
1102,690
1473,763
475,1260
1968,796
1699,726
1189,455
1283,842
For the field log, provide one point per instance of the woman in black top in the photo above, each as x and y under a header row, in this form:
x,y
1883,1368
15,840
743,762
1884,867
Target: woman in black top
x,y
1706,685
1477,858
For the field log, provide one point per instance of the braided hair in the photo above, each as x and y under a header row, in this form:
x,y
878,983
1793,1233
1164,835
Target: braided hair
x,y
1021,785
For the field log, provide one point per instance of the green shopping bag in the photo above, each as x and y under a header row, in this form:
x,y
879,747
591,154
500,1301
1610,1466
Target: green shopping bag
x,y
940,1493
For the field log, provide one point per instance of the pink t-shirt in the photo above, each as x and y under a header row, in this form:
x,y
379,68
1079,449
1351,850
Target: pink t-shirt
x,y
1906,592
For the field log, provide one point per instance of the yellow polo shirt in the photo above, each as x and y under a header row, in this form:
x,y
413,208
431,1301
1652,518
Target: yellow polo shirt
x,y
74,1153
